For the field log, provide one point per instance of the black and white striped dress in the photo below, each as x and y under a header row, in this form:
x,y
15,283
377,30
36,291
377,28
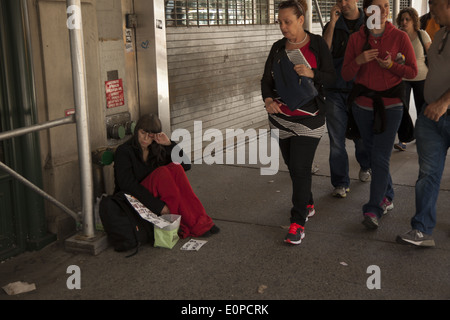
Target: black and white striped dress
x,y
291,126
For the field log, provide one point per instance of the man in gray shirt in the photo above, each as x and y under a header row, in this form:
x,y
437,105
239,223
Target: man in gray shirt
x,y
432,131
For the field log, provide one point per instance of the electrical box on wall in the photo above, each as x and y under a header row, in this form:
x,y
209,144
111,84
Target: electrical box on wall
x,y
131,21
119,127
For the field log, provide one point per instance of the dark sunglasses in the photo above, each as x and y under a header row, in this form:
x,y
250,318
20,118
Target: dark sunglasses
x,y
151,132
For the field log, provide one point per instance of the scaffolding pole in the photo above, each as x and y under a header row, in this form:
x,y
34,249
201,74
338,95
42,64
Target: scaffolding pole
x,y
22,131
75,26
38,190
319,13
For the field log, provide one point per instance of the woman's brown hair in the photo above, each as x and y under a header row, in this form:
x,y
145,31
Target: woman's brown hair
x,y
299,6
414,17
150,123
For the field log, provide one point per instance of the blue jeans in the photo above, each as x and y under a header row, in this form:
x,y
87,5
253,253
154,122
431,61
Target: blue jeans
x,y
379,146
433,141
337,118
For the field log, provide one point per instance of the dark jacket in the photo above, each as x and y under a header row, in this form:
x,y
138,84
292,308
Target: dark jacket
x,y
406,130
324,74
338,46
130,170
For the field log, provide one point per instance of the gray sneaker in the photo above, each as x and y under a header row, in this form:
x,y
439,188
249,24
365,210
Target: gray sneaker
x,y
416,238
365,175
340,192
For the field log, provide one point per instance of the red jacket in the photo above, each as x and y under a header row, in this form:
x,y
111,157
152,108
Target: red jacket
x,y
370,74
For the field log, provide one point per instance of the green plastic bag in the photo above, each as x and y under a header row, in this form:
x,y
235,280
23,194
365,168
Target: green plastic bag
x,y
167,237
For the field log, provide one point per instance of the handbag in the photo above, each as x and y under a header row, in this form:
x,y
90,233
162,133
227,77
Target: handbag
x,y
419,35
167,237
295,91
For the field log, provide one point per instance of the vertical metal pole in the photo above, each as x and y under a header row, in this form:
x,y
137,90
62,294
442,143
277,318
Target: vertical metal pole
x,y
319,13
308,16
395,10
75,26
152,62
32,169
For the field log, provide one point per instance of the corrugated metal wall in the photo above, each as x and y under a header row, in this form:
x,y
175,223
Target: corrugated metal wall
x,y
215,73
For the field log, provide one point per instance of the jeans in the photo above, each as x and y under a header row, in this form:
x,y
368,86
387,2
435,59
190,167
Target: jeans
x,y
379,146
298,154
337,118
433,141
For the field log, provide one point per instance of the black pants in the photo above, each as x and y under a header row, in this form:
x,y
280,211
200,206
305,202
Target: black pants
x,y
298,154
417,87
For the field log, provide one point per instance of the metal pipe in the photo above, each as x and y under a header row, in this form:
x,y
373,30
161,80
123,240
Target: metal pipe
x,y
395,10
308,16
319,13
75,26
38,127
38,190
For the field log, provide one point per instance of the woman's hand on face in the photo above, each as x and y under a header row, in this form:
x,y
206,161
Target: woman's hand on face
x,y
367,56
162,139
304,71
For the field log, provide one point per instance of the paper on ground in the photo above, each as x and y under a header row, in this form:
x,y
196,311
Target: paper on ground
x,y
193,245
18,288
146,214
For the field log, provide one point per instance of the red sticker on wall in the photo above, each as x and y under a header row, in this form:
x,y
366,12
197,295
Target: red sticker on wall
x,y
114,94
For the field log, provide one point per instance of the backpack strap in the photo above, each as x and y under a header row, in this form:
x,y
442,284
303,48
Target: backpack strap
x,y
123,203
423,46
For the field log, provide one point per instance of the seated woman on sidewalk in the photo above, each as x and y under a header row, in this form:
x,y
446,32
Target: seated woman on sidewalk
x,y
144,169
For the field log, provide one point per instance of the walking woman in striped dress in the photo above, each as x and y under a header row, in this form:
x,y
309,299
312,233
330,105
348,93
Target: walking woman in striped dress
x,y
300,126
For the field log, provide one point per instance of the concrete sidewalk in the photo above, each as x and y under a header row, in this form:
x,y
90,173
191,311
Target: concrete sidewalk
x,y
248,259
